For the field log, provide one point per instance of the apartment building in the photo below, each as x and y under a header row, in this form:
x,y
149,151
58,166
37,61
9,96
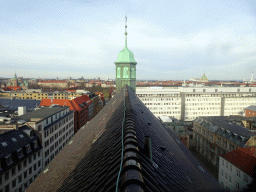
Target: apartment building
x,y
213,136
237,169
250,111
187,103
20,159
55,125
161,101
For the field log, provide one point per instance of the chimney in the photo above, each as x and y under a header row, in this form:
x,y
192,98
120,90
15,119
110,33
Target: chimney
x,y
22,110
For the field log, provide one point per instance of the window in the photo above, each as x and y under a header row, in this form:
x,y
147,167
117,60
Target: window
x,y
35,144
245,178
20,153
226,164
229,179
30,180
222,162
25,163
226,176
38,154
25,174
19,167
238,173
13,171
19,179
7,189
39,128
14,183
9,160
237,185
34,166
29,160
30,170
6,175
230,168
39,163
221,172
34,156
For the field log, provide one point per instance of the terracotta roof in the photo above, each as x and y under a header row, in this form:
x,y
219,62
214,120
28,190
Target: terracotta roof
x,y
91,161
79,101
51,81
244,159
61,102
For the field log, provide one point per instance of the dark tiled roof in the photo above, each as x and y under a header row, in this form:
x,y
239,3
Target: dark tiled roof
x,y
2,108
43,112
91,161
251,108
15,140
13,104
224,128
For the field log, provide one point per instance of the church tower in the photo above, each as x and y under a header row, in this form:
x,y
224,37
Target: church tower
x,y
125,67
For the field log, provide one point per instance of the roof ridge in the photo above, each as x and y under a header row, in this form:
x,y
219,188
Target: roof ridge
x,y
130,163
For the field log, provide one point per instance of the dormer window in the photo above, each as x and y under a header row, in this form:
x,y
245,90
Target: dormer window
x,y
9,159
35,144
28,148
20,153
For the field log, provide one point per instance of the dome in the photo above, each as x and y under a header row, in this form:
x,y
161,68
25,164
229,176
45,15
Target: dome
x,y
204,77
125,56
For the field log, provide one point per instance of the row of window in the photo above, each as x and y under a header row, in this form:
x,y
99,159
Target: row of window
x,y
56,152
24,174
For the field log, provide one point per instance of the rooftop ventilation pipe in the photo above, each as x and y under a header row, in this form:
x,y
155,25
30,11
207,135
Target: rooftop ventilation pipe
x,y
147,147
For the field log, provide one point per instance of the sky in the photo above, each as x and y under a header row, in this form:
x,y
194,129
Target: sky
x,y
170,39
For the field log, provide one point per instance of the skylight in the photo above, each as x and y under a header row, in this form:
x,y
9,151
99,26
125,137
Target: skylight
x,y
4,144
14,139
21,136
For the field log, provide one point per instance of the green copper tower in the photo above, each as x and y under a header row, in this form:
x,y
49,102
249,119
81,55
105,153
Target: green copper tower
x,y
125,67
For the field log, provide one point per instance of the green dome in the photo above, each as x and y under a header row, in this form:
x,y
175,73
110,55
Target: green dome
x,y
204,77
125,56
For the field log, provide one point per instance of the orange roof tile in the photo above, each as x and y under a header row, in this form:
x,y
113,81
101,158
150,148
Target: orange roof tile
x,y
244,159
61,102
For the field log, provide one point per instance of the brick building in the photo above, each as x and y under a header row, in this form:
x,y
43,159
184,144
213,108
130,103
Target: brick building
x,y
250,111
82,107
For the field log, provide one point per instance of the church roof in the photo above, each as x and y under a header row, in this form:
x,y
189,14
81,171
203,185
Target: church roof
x,y
93,160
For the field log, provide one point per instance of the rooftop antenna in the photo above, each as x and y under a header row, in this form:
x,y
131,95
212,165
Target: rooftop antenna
x,y
125,31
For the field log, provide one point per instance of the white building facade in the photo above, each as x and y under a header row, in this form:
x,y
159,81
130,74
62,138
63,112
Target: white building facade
x,y
187,103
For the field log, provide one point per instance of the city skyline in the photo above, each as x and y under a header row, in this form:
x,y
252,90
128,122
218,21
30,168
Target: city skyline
x,y
170,40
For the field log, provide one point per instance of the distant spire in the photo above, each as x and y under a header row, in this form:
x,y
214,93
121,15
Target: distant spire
x,y
125,31
15,76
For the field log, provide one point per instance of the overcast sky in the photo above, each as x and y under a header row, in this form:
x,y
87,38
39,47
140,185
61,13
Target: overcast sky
x,y
170,39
